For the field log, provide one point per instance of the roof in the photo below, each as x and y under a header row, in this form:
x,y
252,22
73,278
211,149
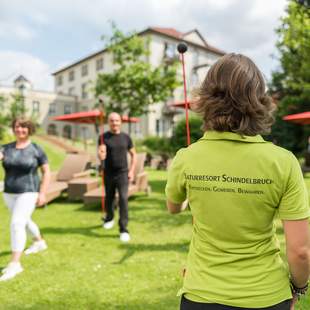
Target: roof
x,y
168,32
20,78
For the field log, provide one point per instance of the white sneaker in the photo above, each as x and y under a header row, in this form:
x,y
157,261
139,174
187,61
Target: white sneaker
x,y
124,237
108,225
36,247
11,271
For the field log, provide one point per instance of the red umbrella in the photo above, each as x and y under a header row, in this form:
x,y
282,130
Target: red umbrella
x,y
90,117
299,118
180,104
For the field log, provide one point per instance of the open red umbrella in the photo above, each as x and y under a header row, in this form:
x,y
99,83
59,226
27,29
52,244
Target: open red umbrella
x,y
90,117
180,104
299,118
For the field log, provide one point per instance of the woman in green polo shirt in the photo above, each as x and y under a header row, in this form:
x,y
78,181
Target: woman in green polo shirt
x,y
237,184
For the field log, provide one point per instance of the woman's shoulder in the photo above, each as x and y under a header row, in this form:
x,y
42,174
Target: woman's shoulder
x,y
8,145
277,151
37,148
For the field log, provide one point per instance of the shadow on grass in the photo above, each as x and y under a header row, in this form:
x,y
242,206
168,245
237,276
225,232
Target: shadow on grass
x,y
158,186
131,249
85,231
5,253
162,220
73,300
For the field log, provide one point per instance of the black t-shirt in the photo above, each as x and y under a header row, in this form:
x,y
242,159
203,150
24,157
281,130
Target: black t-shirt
x,y
117,147
21,167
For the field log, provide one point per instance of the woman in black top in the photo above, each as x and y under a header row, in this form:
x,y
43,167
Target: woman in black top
x,y
23,191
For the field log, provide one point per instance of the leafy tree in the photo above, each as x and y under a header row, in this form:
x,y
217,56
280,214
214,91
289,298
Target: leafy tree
x,y
134,84
2,117
17,107
291,83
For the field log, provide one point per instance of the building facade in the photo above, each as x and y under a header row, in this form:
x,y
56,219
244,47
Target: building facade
x,y
78,79
42,106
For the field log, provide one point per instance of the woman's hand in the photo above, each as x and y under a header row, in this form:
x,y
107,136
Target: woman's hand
x,y
41,200
293,302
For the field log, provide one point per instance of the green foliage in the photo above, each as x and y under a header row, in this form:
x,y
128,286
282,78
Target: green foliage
x,y
2,118
158,145
17,107
292,82
179,140
134,84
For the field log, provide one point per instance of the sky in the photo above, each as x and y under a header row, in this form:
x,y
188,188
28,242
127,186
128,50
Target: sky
x,y
38,37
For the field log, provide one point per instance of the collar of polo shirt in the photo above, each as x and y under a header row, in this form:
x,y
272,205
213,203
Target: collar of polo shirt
x,y
217,135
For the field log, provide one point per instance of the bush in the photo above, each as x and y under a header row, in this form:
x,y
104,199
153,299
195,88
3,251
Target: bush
x,y
158,145
179,140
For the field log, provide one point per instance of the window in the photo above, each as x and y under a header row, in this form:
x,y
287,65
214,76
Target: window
x,y
84,70
158,127
67,108
71,75
170,51
52,129
99,64
59,80
195,58
35,107
71,91
84,108
194,79
84,91
52,108
85,133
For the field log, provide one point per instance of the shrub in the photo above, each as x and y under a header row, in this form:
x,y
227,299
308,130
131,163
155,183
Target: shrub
x,y
179,140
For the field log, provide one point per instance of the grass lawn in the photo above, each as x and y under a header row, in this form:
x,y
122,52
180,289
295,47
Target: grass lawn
x,y
86,267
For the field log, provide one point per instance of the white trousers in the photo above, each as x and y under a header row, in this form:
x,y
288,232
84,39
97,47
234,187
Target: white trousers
x,y
21,207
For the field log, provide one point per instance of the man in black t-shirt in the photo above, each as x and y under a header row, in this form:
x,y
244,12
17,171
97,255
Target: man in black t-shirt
x,y
117,174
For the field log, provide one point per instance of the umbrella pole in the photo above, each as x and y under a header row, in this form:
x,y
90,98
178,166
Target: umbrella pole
x,y
102,165
182,48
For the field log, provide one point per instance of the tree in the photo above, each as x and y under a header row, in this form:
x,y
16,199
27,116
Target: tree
x,y
17,107
134,84
2,117
291,83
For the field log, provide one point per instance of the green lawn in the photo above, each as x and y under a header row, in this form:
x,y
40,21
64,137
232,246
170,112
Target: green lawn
x,y
86,267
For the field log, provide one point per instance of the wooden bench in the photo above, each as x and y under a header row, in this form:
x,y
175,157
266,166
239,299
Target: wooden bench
x,y
78,187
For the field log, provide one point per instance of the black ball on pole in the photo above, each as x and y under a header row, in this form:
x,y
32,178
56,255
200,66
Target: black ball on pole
x,y
182,47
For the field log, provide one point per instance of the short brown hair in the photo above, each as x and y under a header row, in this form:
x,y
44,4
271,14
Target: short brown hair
x,y
23,122
233,97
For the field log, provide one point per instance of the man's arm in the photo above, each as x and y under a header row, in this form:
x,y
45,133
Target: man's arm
x,y
175,208
133,162
298,250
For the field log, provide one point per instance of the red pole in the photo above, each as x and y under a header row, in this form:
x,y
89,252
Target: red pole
x,y
188,136
102,165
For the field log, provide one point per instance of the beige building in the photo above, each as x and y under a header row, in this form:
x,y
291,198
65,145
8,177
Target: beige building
x,y
43,106
78,79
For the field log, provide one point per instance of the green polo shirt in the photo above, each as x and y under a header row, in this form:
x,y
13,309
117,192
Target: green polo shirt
x,y
236,187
